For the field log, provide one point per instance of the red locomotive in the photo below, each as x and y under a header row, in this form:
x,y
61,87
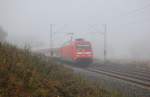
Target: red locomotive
x,y
77,51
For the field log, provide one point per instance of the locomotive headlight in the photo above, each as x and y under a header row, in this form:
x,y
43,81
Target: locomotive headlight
x,y
77,55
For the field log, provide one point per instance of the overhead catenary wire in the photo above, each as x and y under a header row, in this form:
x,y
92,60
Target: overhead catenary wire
x,y
130,13
138,9
147,20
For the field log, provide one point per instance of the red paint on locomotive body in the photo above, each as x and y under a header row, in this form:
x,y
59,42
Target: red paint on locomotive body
x,y
78,51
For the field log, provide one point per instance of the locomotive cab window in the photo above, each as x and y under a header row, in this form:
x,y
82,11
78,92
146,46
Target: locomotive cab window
x,y
83,47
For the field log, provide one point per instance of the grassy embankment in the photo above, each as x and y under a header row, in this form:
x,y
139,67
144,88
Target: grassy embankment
x,y
23,74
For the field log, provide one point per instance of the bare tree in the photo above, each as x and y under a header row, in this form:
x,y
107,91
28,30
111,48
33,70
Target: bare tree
x,y
3,34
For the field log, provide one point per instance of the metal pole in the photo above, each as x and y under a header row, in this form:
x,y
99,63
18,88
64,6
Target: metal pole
x,y
71,36
105,43
51,39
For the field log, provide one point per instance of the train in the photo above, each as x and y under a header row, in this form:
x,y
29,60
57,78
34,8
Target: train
x,y
78,51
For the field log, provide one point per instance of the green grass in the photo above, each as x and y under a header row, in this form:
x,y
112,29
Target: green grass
x,y
24,74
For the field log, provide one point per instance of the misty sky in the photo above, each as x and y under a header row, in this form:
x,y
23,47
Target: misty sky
x,y
28,21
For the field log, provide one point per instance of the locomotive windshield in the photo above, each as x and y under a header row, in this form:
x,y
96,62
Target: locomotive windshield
x,y
83,47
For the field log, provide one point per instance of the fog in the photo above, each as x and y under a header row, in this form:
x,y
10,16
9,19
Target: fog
x,y
128,31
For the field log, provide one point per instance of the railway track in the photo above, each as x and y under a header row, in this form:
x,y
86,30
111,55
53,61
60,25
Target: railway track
x,y
143,82
135,77
127,79
133,74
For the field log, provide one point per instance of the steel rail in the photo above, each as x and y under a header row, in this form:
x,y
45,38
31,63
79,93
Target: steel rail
x,y
132,74
136,81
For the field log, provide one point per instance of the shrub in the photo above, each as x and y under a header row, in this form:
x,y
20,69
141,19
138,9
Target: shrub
x,y
24,74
